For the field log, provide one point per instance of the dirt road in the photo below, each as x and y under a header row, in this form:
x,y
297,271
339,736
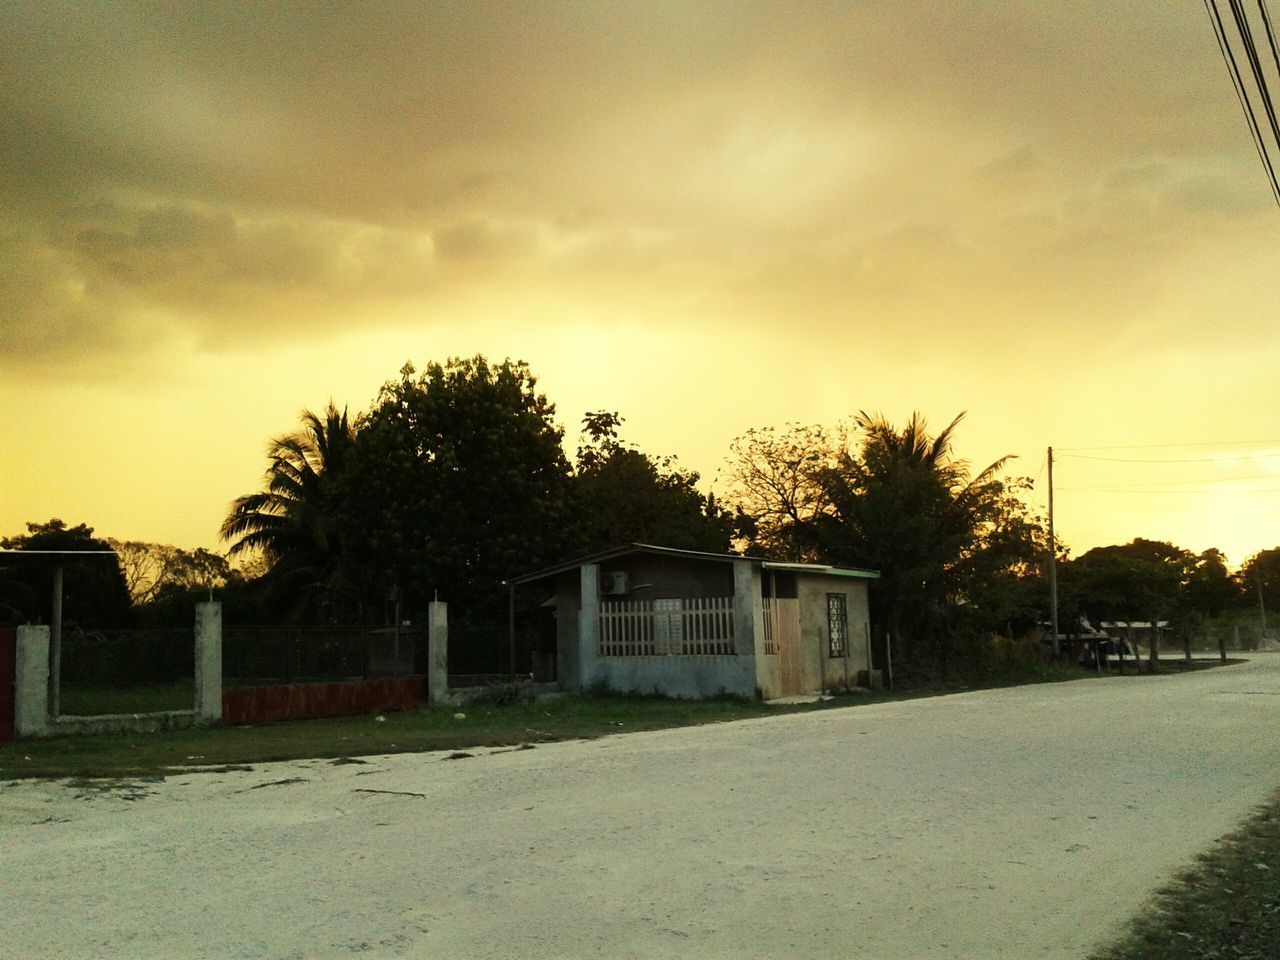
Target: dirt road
x,y
1016,823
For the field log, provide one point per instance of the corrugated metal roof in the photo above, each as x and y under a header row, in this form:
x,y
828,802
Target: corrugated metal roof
x,y
631,548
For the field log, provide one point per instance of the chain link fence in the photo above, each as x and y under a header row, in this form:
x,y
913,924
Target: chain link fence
x,y
137,670
267,655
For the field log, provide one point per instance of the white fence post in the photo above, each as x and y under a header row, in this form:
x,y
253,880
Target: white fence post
x,y
208,703
31,685
437,653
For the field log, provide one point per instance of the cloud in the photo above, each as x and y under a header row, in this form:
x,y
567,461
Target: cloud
x,y
229,175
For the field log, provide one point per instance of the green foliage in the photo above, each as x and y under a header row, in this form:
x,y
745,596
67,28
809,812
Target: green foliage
x,y
458,481
94,590
958,554
621,495
1141,580
1260,576
294,522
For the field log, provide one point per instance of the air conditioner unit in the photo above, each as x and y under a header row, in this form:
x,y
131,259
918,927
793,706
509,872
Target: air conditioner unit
x,y
613,583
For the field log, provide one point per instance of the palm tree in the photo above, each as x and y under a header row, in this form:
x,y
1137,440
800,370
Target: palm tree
x,y
902,503
293,521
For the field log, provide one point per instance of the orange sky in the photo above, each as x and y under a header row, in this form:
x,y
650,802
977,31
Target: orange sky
x,y
706,216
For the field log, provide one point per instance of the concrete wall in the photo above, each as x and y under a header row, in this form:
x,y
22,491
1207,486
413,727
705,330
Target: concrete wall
x,y
675,676
822,671
568,660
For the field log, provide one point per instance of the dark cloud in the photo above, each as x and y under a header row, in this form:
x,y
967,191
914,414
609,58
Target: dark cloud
x,y
224,170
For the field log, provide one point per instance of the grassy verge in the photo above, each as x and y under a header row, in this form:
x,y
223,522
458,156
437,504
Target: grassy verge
x,y
414,731
1225,906
92,701
409,731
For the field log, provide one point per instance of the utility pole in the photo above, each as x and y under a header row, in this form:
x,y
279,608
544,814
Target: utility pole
x,y
1053,567
1262,607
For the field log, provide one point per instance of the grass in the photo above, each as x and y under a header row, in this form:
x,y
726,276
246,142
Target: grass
x,y
1225,906
91,701
413,731
410,731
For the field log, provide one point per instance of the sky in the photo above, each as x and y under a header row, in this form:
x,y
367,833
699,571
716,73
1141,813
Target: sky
x,y
706,216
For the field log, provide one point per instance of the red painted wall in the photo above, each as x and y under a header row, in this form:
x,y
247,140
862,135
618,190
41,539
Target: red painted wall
x,y
8,673
297,701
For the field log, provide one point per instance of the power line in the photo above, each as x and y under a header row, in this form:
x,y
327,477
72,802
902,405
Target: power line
x,y
1190,481
1228,56
1264,454
1157,446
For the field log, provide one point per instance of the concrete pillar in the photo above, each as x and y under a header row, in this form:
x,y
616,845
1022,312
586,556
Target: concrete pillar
x,y
31,685
589,624
209,662
437,653
748,610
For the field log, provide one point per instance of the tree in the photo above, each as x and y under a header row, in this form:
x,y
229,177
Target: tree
x,y
1258,581
945,542
622,495
94,591
1208,590
151,569
775,485
293,523
1141,580
958,555
458,481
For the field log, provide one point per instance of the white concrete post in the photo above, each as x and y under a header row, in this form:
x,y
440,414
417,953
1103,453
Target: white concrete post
x,y
31,685
589,624
748,609
209,662
437,653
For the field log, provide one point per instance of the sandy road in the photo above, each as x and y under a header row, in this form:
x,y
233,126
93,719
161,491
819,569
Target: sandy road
x,y
1016,823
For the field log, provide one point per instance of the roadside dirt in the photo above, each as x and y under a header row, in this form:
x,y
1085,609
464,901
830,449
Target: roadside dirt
x,y
1025,822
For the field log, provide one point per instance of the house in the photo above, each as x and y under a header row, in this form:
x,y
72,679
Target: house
x,y
647,619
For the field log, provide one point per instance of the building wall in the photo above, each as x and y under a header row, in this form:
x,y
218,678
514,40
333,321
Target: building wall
x,y
822,671
653,576
671,675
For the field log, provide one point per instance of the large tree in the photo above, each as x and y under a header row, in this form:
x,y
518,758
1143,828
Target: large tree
x,y
954,549
1141,580
293,523
458,481
94,589
623,495
775,486
1258,581
959,554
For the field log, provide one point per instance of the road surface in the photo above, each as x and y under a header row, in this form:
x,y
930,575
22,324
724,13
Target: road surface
x,y
1024,822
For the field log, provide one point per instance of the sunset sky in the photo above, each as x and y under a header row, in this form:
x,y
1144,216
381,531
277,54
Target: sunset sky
x,y
707,216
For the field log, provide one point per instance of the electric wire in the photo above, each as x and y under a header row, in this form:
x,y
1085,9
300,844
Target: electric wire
x,y
1271,37
1255,64
1233,69
1261,455
1157,446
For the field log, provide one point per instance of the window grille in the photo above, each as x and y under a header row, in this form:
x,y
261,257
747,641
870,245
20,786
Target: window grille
x,y
837,625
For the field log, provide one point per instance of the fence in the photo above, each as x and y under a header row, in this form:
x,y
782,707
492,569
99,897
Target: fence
x,y
126,671
262,655
690,626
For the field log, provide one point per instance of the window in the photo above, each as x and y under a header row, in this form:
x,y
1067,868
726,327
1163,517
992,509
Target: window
x,y
837,625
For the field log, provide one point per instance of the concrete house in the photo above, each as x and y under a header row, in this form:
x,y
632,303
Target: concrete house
x,y
650,619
